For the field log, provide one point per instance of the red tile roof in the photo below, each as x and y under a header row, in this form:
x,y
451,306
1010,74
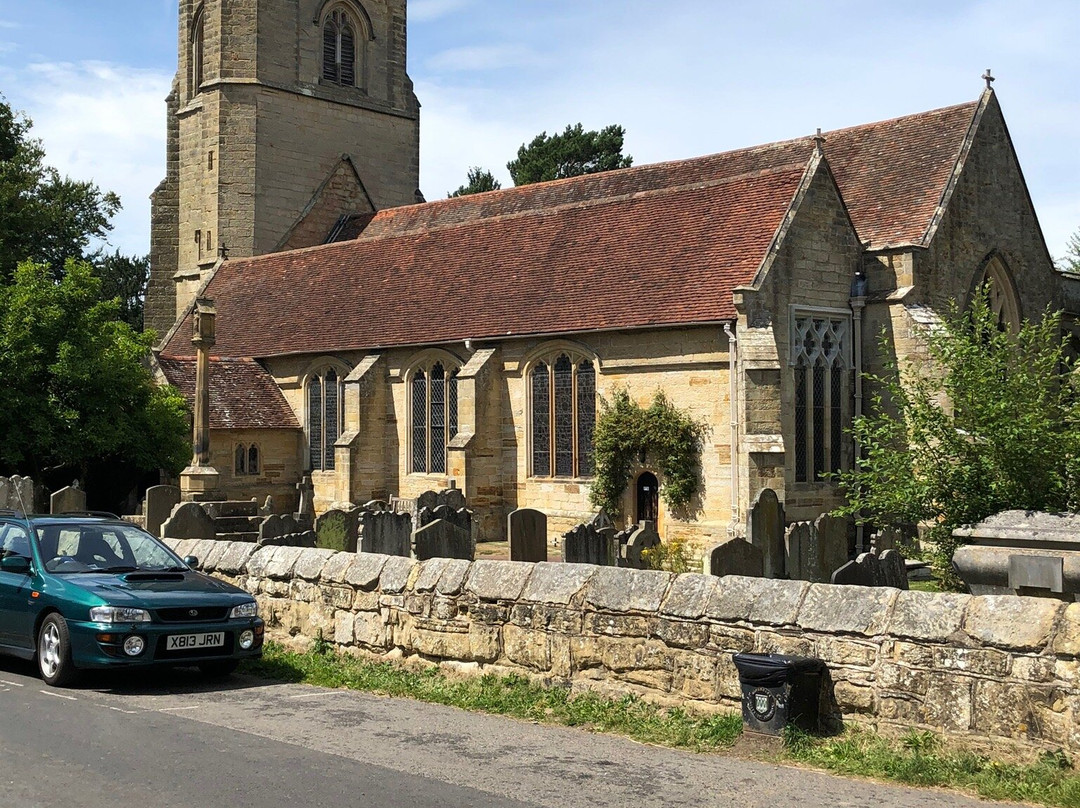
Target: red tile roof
x,y
654,245
242,394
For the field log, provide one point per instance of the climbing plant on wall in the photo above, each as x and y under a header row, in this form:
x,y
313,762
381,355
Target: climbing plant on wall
x,y
662,432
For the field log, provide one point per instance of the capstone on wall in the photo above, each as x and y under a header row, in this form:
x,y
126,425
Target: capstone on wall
x,y
996,671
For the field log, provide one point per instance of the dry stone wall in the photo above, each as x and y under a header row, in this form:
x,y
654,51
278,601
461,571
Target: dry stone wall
x,y
997,670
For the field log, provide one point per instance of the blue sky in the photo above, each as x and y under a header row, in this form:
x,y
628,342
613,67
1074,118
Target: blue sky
x,y
684,77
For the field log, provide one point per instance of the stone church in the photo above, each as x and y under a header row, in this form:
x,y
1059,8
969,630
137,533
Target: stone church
x,y
387,346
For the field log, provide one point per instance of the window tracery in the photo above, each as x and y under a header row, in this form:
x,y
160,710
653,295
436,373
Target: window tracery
x,y
196,50
820,348
339,48
562,400
325,396
433,415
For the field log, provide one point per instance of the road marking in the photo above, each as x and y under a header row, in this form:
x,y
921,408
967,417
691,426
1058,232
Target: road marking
x,y
175,709
120,709
13,684
310,695
59,695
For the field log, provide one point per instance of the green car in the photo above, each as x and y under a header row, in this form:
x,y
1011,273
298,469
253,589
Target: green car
x,y
82,591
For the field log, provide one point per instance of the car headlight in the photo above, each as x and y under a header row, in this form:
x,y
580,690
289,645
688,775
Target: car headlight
x,y
118,614
250,609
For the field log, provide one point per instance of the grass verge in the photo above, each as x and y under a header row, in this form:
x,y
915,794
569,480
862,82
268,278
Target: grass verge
x,y
511,695
918,759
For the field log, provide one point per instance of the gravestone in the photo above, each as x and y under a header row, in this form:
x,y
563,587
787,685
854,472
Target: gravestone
x,y
304,538
271,528
766,529
294,523
17,493
643,537
589,544
893,569
462,517
442,539
386,532
188,520
306,508
527,529
453,498
797,550
736,556
884,539
602,521
160,501
830,547
267,507
375,505
852,574
71,499
429,500
338,530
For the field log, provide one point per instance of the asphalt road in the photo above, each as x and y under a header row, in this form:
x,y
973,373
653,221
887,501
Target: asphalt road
x,y
176,740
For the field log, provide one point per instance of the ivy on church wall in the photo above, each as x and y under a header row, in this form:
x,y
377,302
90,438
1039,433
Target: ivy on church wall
x,y
670,438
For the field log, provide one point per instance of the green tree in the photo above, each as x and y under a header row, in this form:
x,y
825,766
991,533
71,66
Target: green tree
x,y
479,180
571,154
76,389
124,278
44,217
1071,261
990,423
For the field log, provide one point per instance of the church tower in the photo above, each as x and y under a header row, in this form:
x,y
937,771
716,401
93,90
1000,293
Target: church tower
x,y
284,117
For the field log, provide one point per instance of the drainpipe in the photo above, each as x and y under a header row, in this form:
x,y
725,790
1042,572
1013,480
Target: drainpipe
x,y
733,389
858,303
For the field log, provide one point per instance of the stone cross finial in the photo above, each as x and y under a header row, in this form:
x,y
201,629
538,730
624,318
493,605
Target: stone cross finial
x,y
989,79
223,251
819,140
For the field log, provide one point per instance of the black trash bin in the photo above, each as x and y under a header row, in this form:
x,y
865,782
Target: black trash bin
x,y
779,690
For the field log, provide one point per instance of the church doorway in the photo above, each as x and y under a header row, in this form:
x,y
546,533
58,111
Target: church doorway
x,y
648,497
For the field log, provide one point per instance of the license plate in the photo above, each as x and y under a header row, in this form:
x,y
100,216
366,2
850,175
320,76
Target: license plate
x,y
189,642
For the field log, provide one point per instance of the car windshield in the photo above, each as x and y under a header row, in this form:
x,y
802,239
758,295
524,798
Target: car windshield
x,y
103,547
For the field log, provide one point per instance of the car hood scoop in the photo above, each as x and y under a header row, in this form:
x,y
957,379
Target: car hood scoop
x,y
143,577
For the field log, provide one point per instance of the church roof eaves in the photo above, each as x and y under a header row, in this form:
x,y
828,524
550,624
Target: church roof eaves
x,y
242,394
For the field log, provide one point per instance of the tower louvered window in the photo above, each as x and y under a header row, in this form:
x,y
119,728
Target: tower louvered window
x,y
819,354
324,416
195,53
339,49
563,417
434,417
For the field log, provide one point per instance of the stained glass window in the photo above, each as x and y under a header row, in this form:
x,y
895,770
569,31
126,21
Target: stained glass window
x,y
325,399
563,417
253,459
800,424
434,418
820,374
239,462
419,422
819,421
330,391
438,419
451,404
315,422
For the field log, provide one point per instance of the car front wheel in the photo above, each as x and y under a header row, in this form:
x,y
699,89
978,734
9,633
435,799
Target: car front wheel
x,y
54,653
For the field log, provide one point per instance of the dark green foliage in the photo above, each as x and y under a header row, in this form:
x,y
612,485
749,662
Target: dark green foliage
x,y
670,438
123,278
990,423
479,181
76,387
571,154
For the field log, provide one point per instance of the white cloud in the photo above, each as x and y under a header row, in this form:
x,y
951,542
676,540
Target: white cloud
x,y
102,122
9,24
429,10
492,57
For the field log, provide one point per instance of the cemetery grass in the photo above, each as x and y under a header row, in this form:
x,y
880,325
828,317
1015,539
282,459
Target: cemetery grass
x,y
918,759
512,695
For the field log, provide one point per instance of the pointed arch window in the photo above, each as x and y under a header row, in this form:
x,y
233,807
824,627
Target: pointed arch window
x,y
562,414
325,395
246,459
195,52
339,48
820,355
433,416
1000,294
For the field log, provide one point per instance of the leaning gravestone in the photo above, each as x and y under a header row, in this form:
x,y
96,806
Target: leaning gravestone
x,y
386,532
17,493
766,531
893,569
442,539
272,527
71,499
736,556
830,547
797,550
337,530
188,521
643,537
527,529
589,544
160,501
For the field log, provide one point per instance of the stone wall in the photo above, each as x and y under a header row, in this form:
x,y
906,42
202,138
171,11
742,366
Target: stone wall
x,y
998,671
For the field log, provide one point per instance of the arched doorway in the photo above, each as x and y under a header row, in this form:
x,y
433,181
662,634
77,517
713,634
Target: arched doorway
x,y
647,496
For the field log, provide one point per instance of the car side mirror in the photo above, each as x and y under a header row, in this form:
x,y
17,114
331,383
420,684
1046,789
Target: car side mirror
x,y
191,561
15,563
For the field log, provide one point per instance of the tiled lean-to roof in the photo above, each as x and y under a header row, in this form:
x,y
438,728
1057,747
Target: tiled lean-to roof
x,y
244,395
654,245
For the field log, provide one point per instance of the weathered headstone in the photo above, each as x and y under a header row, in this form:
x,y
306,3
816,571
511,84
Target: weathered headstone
x,y
429,500
797,550
386,532
442,539
338,530
453,498
267,507
830,546
643,537
589,544
736,556
852,574
160,501
893,569
188,520
375,505
5,493
602,521
71,499
271,527
527,529
17,493
462,517
766,530
306,507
